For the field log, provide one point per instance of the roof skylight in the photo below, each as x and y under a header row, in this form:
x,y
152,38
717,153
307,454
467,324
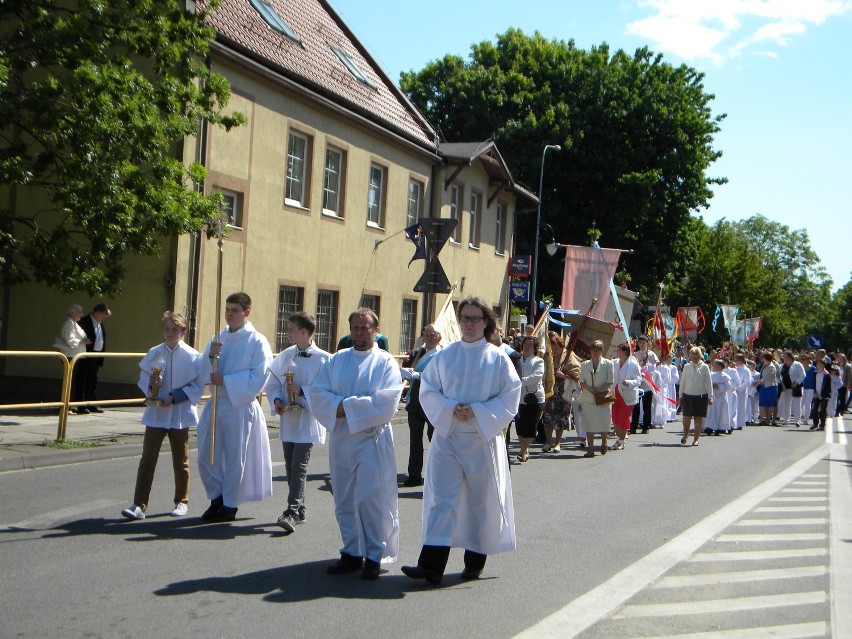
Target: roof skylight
x,y
271,17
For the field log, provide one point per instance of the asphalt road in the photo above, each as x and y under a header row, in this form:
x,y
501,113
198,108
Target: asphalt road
x,y
593,534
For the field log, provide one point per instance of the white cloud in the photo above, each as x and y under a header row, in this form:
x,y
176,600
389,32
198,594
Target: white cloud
x,y
721,29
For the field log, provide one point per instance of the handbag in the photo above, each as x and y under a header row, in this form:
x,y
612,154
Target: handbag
x,y
604,397
530,399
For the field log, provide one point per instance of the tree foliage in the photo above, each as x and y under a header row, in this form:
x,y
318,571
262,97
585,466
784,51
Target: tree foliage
x,y
95,98
636,136
761,266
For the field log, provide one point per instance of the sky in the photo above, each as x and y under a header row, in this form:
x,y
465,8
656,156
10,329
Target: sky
x,y
780,69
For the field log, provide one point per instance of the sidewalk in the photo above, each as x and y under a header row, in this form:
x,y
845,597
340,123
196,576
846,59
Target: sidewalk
x,y
117,433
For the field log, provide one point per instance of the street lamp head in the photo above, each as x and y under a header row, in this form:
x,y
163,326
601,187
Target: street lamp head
x,y
552,247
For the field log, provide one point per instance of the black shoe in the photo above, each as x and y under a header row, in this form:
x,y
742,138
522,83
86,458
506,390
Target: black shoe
x,y
632,431
83,411
644,431
419,572
96,409
224,514
302,516
413,482
814,427
210,513
371,570
346,563
471,573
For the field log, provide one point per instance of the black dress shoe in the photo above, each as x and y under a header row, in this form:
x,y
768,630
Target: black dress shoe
x,y
412,482
419,572
371,570
96,409
83,411
346,563
224,514
471,573
211,511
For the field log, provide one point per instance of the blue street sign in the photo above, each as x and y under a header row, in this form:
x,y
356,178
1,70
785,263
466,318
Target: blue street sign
x,y
815,341
519,291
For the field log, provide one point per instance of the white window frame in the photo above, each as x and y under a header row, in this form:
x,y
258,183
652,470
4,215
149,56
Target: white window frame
x,y
455,212
376,196
475,219
295,176
286,307
415,200
407,324
328,176
500,229
327,309
231,208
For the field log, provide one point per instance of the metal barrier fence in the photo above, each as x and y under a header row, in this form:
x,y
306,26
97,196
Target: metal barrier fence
x,y
65,403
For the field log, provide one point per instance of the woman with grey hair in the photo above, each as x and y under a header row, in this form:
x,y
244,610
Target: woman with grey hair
x,y
72,338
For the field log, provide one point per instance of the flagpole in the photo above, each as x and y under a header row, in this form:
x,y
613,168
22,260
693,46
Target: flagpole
x,y
214,394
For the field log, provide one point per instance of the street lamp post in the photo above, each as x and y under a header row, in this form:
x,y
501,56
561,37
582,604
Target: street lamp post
x,y
555,147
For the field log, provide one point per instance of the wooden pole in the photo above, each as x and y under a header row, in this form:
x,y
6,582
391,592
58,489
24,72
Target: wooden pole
x,y
214,394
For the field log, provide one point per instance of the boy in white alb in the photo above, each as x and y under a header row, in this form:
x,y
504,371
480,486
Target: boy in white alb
x,y
171,378
299,429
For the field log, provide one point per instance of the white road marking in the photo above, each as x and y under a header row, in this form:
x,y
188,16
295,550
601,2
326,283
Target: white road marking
x,y
791,509
721,605
47,520
738,538
841,549
740,576
805,490
790,631
599,602
805,521
802,498
759,555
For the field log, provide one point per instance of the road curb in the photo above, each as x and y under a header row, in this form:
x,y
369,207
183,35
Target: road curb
x,y
16,460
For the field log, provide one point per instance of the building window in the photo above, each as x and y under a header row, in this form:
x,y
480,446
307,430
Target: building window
x,y
475,219
353,68
290,300
295,189
415,191
373,302
406,327
332,186
500,230
455,212
375,201
326,334
271,17
231,208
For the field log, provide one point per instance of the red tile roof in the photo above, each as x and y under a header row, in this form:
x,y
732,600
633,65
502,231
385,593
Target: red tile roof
x,y
313,64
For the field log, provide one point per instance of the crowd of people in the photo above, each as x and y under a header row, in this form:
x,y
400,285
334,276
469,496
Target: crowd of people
x,y
465,396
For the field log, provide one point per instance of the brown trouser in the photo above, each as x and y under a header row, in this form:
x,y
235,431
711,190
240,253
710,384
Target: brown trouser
x,y
179,442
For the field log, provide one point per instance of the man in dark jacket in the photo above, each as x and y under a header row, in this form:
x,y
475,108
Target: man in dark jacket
x,y
86,375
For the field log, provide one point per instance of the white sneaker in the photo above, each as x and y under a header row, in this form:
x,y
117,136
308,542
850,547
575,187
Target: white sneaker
x,y
134,512
180,509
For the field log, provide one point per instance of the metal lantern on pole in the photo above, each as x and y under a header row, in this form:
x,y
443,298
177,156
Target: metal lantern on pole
x,y
534,285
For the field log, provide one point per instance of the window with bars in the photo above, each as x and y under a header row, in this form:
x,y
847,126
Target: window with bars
x,y
326,334
373,302
290,300
295,187
407,324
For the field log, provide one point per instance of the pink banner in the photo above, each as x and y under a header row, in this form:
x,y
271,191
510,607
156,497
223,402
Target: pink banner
x,y
587,275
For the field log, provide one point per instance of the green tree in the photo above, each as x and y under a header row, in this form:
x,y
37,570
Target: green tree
x,y
636,134
96,97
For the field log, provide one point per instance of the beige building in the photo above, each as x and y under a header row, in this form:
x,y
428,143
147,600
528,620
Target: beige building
x,y
319,185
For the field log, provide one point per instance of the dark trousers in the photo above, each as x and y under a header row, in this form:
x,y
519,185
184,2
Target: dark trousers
x,y
436,557
85,379
841,401
646,402
151,444
415,450
820,412
296,458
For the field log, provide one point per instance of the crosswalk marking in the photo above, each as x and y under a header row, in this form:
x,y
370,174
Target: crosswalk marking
x,y
805,490
761,537
812,521
790,509
757,555
721,605
740,576
804,498
790,631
